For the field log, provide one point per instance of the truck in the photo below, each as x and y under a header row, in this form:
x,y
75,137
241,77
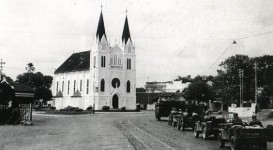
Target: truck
x,y
164,106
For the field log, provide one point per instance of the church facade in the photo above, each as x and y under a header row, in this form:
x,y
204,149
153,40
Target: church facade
x,y
103,76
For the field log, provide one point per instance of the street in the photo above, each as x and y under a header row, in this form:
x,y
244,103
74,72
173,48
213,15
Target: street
x,y
102,131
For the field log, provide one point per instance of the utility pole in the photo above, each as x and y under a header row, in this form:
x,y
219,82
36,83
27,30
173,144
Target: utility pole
x,y
241,76
148,92
255,65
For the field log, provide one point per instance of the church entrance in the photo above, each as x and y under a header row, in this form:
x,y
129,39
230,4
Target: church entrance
x,y
115,101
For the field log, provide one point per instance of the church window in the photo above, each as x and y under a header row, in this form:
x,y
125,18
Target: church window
x,y
128,86
102,61
68,84
102,85
87,86
128,63
119,61
94,63
81,85
62,86
74,86
57,87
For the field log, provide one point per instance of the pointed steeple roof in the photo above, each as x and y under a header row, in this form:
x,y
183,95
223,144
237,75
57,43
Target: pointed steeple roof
x,y
101,28
126,32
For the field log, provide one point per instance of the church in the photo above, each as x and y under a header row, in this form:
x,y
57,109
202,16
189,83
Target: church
x,y
102,76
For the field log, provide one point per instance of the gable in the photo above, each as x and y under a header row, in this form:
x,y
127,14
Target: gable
x,y
76,62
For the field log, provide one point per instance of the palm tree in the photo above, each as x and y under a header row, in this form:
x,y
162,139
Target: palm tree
x,y
30,68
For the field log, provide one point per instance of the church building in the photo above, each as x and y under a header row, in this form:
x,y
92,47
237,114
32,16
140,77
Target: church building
x,y
102,76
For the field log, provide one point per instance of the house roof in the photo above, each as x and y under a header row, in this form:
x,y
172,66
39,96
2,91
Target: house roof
x,y
126,32
18,87
76,62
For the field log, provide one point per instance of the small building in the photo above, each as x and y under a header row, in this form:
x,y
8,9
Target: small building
x,y
168,86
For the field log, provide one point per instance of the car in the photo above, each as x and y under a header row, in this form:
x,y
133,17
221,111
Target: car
x,y
209,126
188,121
244,136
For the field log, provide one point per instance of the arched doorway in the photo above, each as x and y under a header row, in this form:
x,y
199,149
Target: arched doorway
x,y
115,101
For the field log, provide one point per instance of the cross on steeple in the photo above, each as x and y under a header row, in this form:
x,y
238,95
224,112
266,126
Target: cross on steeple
x,y
101,7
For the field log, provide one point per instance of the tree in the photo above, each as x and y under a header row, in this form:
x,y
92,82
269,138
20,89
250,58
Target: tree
x,y
198,90
38,81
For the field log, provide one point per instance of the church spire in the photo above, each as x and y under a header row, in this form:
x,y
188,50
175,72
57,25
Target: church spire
x,y
126,31
100,29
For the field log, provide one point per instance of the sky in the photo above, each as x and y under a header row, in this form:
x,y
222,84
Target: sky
x,y
172,37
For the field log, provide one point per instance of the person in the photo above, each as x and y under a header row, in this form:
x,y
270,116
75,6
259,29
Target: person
x,y
255,121
185,113
219,116
206,117
174,111
236,119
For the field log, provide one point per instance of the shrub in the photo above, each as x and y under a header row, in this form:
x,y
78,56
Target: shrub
x,y
71,109
105,108
123,108
52,108
89,108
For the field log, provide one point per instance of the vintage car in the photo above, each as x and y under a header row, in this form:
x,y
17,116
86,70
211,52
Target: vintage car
x,y
244,136
209,126
188,121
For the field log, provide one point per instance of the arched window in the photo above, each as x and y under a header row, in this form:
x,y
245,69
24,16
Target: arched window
x,y
81,85
102,85
102,61
74,86
68,84
128,86
94,63
63,86
87,86
57,87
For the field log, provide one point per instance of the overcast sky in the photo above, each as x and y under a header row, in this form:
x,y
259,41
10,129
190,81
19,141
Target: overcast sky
x,y
172,37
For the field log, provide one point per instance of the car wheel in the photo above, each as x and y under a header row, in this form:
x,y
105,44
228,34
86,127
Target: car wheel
x,y
205,135
178,126
234,145
221,141
196,133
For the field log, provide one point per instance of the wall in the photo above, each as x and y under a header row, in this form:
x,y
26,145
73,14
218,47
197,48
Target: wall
x,y
243,111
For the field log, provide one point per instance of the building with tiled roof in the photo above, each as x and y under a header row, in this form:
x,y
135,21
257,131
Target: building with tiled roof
x,y
102,76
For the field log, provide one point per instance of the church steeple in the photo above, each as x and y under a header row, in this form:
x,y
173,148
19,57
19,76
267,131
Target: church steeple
x,y
126,31
101,28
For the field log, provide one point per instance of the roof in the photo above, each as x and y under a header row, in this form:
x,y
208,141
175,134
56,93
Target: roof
x,y
101,28
76,62
126,32
144,98
18,87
